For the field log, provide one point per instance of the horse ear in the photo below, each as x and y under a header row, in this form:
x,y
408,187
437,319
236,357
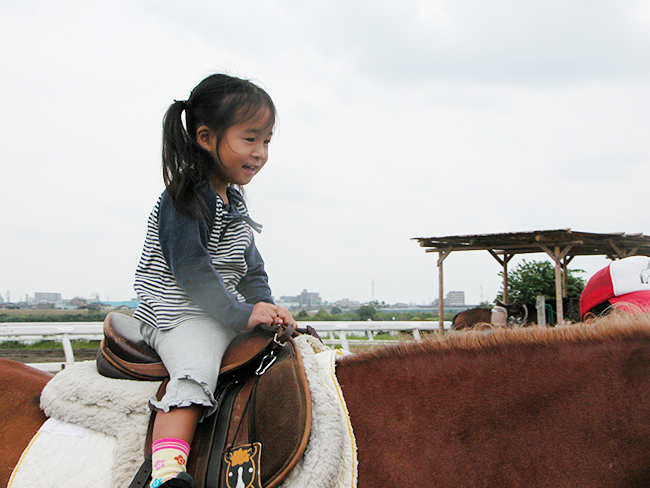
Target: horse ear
x,y
500,303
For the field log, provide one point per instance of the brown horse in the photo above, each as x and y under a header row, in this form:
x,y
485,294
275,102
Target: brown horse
x,y
516,313
20,389
557,407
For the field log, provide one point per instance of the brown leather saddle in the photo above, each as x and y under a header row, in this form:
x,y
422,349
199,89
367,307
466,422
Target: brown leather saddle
x,y
264,416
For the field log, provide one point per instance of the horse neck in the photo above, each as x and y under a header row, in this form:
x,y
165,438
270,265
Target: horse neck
x,y
467,408
434,375
504,355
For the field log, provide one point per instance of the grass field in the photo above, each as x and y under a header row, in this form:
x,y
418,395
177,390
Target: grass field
x,y
27,315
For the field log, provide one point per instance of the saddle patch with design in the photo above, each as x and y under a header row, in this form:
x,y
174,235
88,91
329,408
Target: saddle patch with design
x,y
242,466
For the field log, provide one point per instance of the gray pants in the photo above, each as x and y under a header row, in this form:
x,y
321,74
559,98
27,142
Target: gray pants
x,y
192,353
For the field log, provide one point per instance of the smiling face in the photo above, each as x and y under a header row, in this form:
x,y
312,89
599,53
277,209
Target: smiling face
x,y
241,153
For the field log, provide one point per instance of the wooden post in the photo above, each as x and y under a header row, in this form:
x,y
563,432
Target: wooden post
x,y
504,264
558,287
441,295
557,255
505,279
565,275
441,291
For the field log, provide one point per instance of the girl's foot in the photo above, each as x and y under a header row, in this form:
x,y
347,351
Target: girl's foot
x,y
183,480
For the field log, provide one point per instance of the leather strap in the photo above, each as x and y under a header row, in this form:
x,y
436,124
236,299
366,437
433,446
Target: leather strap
x,y
143,476
215,462
308,330
239,425
284,332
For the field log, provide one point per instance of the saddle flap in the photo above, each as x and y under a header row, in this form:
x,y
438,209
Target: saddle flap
x,y
280,419
283,416
280,402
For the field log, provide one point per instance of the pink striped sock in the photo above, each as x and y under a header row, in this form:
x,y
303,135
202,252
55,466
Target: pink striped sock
x,y
168,458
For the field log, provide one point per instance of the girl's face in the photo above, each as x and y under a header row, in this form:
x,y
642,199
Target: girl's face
x,y
242,152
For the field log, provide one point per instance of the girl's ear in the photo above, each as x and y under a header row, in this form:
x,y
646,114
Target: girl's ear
x,y
206,138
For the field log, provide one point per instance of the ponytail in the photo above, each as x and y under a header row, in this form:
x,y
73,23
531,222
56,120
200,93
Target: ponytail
x,y
218,102
185,163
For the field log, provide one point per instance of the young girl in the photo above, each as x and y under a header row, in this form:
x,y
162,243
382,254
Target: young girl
x,y
200,279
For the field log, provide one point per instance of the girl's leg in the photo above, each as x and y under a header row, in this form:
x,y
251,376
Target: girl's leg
x,y
172,435
192,353
178,423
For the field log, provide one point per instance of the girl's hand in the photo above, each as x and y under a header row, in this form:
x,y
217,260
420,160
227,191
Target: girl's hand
x,y
285,317
267,313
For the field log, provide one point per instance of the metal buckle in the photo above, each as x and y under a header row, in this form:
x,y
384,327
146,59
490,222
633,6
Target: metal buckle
x,y
266,362
275,339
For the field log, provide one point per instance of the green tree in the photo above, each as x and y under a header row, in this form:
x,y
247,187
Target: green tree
x,y
323,314
366,312
532,278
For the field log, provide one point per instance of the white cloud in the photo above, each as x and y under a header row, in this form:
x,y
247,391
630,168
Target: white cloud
x,y
397,120
432,12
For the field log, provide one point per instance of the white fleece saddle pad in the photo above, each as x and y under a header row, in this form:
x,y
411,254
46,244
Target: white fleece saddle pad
x,y
46,463
100,427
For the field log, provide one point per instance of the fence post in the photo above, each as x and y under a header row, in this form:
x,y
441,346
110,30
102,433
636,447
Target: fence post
x,y
540,305
67,348
344,340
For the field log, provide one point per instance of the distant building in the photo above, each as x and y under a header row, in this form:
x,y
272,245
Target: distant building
x,y
125,304
79,302
47,297
288,301
304,300
455,298
347,304
310,300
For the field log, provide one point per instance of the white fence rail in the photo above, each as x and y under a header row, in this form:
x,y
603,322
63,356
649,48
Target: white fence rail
x,y
331,332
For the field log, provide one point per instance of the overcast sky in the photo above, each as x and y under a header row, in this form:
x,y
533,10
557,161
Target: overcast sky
x,y
398,119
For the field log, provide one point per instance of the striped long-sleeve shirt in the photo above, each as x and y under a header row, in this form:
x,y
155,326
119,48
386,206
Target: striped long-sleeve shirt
x,y
191,268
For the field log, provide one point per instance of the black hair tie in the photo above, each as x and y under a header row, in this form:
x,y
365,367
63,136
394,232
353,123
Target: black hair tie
x,y
186,103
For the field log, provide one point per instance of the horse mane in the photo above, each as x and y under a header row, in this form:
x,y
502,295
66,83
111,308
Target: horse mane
x,y
617,326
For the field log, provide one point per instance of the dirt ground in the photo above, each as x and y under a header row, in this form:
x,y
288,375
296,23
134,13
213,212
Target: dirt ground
x,y
45,355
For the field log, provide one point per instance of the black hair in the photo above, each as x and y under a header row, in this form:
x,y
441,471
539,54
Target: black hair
x,y
601,309
218,102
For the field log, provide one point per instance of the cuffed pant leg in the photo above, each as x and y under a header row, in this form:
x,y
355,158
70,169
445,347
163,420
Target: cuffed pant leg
x,y
192,353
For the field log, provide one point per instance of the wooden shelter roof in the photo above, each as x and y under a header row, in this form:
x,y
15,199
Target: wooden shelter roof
x,y
562,245
614,246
